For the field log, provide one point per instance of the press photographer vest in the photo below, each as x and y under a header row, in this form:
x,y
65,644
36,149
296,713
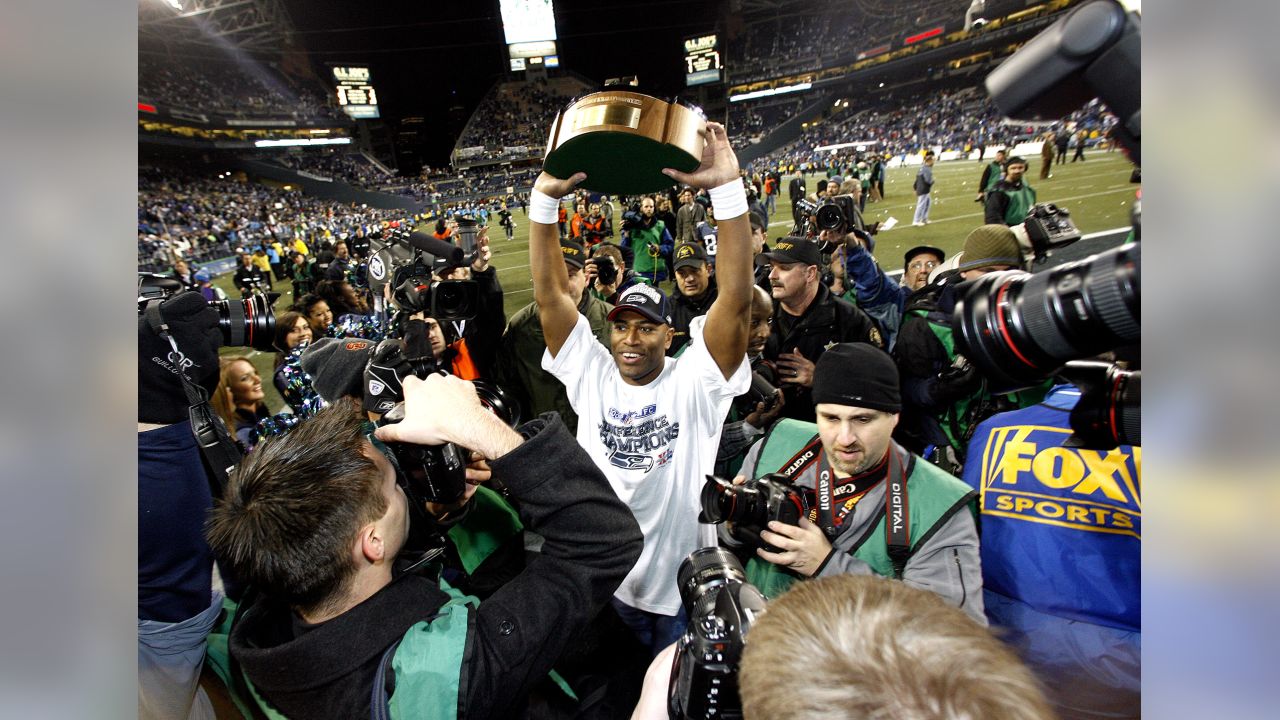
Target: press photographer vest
x,y
646,262
1021,199
931,498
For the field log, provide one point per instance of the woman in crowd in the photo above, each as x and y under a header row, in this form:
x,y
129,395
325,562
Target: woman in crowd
x,y
239,399
293,335
318,314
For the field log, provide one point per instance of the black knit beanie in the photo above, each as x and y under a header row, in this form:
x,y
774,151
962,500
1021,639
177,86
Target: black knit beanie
x,y
336,366
859,375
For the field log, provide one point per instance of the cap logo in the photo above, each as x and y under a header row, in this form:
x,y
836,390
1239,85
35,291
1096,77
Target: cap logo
x,y
357,345
643,291
784,245
684,252
568,250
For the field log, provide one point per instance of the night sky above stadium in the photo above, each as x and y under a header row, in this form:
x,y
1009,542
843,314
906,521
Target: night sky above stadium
x,y
428,56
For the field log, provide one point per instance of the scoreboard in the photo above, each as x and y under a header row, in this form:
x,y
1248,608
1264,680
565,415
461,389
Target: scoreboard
x,y
702,63
356,95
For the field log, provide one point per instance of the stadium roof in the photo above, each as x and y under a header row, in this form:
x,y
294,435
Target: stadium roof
x,y
254,25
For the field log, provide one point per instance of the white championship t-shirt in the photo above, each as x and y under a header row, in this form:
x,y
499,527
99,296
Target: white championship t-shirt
x,y
656,443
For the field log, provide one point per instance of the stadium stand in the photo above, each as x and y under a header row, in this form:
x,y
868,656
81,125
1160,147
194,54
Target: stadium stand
x,y
229,89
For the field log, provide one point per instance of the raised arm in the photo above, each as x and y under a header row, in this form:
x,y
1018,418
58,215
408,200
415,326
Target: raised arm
x,y
726,327
557,308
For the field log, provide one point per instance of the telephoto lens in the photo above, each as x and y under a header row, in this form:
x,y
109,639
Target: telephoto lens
x,y
1019,328
1109,411
248,322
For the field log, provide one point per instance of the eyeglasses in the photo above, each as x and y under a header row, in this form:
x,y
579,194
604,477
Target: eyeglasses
x,y
923,265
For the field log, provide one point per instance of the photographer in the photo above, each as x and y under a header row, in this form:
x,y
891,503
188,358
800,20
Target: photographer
x,y
879,509
248,278
1066,594
333,620
877,294
176,603
607,273
649,240
1009,199
945,394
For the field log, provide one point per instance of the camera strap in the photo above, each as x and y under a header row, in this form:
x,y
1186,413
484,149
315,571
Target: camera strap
x,y
897,520
215,443
837,497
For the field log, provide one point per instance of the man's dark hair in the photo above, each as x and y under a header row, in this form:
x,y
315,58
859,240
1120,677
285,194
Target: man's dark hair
x,y
1015,160
293,506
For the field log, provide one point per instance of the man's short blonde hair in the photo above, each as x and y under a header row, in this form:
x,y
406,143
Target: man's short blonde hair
x,y
865,647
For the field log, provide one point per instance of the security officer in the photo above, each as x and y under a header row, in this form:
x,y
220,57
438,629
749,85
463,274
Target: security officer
x,y
807,319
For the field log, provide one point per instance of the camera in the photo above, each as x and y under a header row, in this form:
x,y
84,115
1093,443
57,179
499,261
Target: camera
x,y
410,271
837,212
762,388
1049,227
1109,411
752,505
1020,328
437,473
632,218
243,323
606,270
721,606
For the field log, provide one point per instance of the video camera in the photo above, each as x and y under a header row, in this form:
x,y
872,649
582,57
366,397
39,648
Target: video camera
x,y
428,473
751,505
722,606
409,262
243,323
805,209
1020,328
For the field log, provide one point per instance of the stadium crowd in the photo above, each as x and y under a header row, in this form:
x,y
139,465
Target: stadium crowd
x,y
783,44
228,89
351,168
512,120
646,340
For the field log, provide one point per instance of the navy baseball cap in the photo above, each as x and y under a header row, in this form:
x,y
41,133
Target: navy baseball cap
x,y
647,300
792,249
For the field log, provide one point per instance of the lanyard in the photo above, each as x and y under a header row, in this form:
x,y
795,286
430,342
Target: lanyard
x,y
897,525
830,517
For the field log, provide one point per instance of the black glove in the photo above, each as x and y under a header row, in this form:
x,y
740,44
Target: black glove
x,y
384,376
194,326
958,381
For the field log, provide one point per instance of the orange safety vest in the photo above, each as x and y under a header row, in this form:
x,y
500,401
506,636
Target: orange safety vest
x,y
462,365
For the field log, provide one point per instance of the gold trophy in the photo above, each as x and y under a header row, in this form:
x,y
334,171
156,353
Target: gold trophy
x,y
622,140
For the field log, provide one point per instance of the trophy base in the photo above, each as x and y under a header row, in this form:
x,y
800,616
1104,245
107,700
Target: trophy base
x,y
619,163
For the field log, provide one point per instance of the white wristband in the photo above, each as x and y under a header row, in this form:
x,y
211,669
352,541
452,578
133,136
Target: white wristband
x,y
543,208
729,200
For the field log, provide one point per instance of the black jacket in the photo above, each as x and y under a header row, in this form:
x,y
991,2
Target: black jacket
x,y
684,310
826,321
591,541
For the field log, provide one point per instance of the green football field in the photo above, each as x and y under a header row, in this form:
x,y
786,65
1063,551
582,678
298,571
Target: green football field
x,y
1097,192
